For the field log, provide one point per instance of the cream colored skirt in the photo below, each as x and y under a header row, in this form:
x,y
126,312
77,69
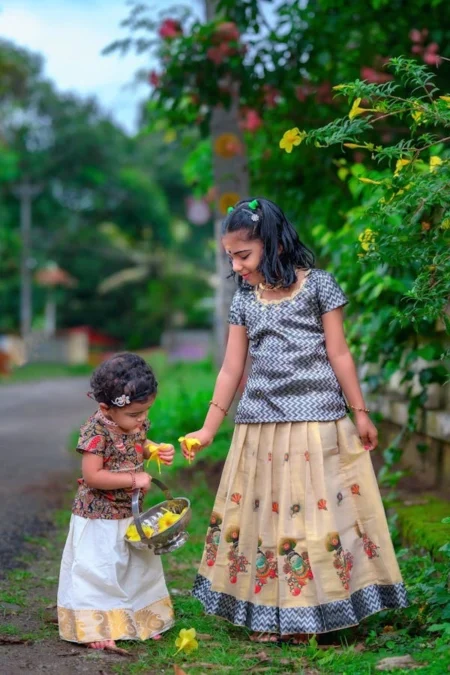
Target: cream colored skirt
x,y
107,589
298,540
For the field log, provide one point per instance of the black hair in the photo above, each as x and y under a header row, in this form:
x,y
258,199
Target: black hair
x,y
278,265
123,374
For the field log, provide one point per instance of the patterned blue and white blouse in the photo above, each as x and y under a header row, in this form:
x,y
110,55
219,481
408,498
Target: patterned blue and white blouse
x,y
291,379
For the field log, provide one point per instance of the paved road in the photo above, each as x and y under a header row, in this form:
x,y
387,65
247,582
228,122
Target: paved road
x,y
36,466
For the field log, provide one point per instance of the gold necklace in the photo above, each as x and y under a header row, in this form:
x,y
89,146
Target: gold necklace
x,y
269,287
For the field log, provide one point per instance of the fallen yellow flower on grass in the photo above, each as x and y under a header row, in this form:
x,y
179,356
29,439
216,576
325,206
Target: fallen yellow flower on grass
x,y
292,137
186,640
190,443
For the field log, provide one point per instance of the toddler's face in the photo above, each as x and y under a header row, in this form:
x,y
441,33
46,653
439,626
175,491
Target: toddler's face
x,y
245,255
131,417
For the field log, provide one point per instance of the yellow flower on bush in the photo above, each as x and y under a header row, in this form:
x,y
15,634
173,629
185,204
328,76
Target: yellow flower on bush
x,y
400,164
367,238
292,137
370,181
435,161
355,110
186,640
446,99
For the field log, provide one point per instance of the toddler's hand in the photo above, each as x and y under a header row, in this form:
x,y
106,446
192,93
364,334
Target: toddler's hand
x,y
204,437
143,481
166,453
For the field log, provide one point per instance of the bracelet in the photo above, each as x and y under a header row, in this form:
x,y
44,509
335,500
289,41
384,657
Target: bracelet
x,y
352,407
225,412
133,480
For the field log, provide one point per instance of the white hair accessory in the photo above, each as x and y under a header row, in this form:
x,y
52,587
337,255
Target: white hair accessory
x,y
255,217
120,401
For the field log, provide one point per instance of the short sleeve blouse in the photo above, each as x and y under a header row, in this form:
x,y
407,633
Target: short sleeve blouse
x,y
290,378
120,453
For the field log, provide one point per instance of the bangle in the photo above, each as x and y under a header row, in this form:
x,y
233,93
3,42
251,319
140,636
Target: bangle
x,y
352,407
133,480
225,412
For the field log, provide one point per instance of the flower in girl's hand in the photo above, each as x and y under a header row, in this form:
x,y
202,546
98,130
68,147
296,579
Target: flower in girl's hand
x,y
186,640
154,451
190,443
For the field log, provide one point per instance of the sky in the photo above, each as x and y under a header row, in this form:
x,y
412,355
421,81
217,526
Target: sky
x,y
71,34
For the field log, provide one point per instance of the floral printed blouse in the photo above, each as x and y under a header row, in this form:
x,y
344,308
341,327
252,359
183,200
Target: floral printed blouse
x,y
120,452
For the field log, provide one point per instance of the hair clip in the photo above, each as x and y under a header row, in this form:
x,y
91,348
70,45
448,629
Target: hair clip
x,y
230,209
253,204
120,401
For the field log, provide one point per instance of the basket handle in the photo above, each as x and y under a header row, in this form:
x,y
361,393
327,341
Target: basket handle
x,y
135,504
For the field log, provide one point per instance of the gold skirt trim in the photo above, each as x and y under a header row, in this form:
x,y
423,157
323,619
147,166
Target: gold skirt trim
x,y
90,625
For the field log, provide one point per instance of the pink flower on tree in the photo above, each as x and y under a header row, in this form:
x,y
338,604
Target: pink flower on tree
x,y
271,95
154,78
375,76
415,35
251,121
169,29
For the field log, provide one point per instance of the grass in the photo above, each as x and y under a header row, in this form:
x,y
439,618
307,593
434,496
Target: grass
x,y
422,631
180,408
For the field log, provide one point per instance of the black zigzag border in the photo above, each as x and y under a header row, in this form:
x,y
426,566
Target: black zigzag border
x,y
284,621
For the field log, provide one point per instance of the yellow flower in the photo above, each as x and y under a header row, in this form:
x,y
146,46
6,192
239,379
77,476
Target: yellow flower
x,y
186,640
226,200
189,443
292,137
370,181
167,520
353,146
400,164
445,225
356,110
435,161
154,454
417,115
367,238
338,87
133,535
446,99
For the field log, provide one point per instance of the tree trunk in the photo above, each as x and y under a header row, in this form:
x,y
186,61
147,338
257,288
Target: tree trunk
x,y
230,178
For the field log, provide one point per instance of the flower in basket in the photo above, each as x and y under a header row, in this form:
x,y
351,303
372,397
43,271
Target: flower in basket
x,y
186,640
168,519
133,535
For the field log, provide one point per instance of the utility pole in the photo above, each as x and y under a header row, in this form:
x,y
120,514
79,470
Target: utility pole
x,y
230,178
25,193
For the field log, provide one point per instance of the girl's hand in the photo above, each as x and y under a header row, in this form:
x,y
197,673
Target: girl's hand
x,y
166,453
367,431
203,436
143,481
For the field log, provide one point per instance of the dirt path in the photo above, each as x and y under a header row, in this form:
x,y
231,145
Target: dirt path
x,y
36,420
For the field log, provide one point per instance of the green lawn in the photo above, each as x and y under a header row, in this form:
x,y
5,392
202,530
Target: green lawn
x,y
422,631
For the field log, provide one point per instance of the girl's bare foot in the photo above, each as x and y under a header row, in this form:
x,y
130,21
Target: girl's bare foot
x,y
264,637
104,644
297,638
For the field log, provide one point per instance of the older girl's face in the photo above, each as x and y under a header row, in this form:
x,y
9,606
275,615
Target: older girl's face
x,y
245,255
